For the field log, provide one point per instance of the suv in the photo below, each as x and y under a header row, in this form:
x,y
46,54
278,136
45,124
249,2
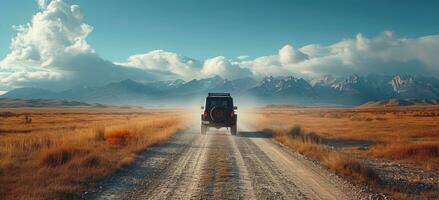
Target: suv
x,y
219,112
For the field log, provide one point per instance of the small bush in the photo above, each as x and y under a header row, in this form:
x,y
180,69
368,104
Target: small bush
x,y
62,155
117,137
350,167
309,144
410,151
91,161
311,137
68,150
100,134
8,114
295,131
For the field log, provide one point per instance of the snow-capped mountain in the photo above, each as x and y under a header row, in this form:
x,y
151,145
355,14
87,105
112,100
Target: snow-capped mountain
x,y
351,90
282,86
325,80
401,84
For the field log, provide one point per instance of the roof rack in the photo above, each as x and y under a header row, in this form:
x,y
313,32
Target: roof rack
x,y
219,94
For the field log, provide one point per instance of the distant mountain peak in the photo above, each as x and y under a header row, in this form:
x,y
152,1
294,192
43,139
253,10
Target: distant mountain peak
x,y
268,79
348,84
401,83
176,82
216,77
351,90
400,102
325,80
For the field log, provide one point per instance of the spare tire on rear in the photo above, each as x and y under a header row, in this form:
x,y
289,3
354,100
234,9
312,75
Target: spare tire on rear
x,y
218,114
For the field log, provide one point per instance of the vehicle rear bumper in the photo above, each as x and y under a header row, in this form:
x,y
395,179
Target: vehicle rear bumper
x,y
214,124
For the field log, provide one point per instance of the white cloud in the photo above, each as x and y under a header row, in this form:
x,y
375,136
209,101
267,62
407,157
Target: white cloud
x,y
281,64
55,32
43,3
224,68
242,57
23,77
180,66
264,66
52,51
184,67
386,53
288,55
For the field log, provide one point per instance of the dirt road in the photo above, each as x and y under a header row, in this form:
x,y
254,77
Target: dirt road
x,y
221,166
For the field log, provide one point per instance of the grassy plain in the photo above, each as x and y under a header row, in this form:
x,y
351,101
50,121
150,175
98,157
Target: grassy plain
x,y
57,153
344,139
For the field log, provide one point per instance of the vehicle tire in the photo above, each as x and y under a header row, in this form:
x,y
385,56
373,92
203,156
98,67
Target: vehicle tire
x,y
218,114
233,130
203,129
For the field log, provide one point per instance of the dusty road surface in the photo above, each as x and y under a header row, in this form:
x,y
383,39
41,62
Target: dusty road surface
x,y
221,166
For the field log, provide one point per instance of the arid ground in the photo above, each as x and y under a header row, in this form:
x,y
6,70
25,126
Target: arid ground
x,y
58,153
392,149
279,153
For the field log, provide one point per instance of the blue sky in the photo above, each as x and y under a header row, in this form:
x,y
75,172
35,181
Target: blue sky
x,y
201,29
59,44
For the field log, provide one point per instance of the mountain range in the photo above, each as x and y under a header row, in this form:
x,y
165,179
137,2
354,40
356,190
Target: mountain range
x,y
399,102
326,90
52,103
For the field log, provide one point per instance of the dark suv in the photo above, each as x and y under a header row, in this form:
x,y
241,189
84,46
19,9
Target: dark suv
x,y
219,112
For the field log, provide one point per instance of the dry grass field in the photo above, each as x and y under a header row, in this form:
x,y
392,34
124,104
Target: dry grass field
x,y
57,153
377,146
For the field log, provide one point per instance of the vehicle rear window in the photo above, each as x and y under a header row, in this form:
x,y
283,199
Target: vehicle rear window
x,y
219,102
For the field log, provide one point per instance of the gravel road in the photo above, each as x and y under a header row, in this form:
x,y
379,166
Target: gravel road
x,y
221,166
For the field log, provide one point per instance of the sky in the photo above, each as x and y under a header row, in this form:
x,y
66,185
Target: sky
x,y
58,44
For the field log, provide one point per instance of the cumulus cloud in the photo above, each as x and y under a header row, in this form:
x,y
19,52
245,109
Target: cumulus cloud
x,y
224,68
289,55
52,51
283,63
186,68
55,32
386,53
43,3
23,77
160,60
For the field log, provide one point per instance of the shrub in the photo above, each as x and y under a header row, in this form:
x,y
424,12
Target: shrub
x,y
91,161
311,137
61,155
117,137
310,144
100,134
350,167
295,131
411,151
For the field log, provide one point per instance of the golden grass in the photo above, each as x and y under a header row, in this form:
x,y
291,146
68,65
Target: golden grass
x,y
407,135
61,155
61,152
391,130
309,145
424,153
117,137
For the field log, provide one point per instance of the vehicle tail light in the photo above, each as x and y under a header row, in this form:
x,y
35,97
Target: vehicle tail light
x,y
232,114
205,113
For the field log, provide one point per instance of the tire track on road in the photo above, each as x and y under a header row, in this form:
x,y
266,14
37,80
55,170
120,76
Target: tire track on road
x,y
180,179
267,181
222,177
308,179
221,166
